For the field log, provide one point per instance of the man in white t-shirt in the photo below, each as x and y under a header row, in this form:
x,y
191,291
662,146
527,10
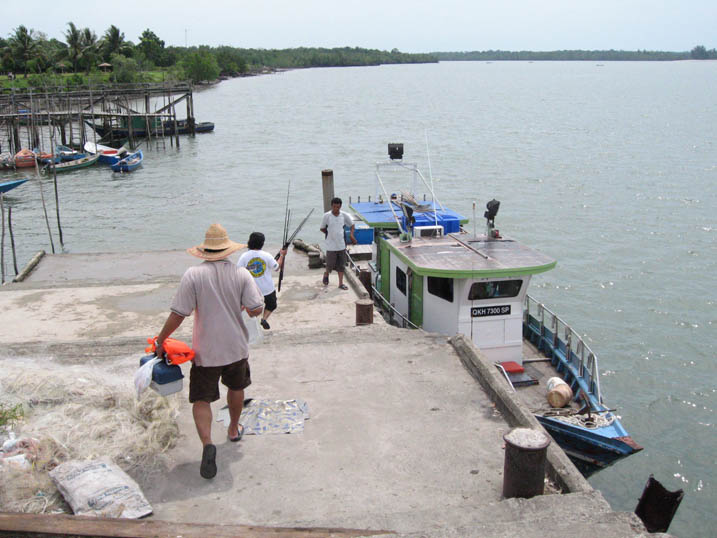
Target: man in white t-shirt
x,y
260,263
332,225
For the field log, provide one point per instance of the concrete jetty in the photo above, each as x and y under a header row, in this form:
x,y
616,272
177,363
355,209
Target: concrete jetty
x,y
402,438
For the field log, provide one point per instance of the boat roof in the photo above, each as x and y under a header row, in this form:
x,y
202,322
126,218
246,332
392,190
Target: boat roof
x,y
380,215
461,255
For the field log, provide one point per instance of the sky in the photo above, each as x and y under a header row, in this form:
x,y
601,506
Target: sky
x,y
408,25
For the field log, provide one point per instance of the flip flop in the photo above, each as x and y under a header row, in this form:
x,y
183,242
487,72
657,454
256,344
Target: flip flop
x,y
239,435
326,280
208,468
343,287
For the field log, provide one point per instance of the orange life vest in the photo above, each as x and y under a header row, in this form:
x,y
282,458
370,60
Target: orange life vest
x,y
177,351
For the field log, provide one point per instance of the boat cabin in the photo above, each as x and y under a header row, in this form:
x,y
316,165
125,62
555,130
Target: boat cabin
x,y
458,283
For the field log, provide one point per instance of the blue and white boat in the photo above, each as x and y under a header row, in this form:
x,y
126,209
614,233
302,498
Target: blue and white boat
x,y
66,153
107,154
129,163
430,271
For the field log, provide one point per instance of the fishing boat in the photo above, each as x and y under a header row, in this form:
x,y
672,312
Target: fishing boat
x,y
6,160
429,271
24,159
11,184
129,163
68,154
183,127
77,164
139,128
46,158
107,154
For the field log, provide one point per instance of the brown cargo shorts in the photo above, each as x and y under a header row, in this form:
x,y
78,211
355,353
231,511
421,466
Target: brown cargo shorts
x,y
204,380
336,260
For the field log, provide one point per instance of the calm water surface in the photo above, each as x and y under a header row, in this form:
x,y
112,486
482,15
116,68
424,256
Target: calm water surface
x,y
610,169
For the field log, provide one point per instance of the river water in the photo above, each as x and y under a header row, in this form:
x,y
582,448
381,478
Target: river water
x,y
611,169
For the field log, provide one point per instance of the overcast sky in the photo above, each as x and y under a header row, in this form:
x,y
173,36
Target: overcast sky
x,y
410,26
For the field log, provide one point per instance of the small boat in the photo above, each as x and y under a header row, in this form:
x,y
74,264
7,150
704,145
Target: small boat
x,y
6,161
46,158
68,154
183,127
24,159
139,128
428,271
11,184
69,166
129,163
107,154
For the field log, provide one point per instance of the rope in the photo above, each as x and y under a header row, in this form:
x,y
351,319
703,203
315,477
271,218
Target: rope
x,y
593,422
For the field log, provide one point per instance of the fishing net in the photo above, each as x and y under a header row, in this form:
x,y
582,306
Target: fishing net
x,y
73,413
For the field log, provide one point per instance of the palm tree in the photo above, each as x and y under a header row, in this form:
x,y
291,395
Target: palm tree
x,y
88,41
113,42
73,38
24,46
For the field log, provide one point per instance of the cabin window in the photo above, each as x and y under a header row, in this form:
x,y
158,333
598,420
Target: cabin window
x,y
401,280
441,287
497,289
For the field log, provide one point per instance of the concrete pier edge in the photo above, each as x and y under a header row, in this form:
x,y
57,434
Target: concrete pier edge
x,y
560,469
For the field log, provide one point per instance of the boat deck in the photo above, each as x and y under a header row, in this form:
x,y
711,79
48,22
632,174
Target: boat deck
x,y
534,396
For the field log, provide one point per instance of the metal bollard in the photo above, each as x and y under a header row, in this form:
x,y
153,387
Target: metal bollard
x,y
524,468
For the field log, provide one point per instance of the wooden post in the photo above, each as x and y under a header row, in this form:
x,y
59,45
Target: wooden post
x,y
364,312
130,131
190,116
2,239
176,127
12,238
327,187
365,278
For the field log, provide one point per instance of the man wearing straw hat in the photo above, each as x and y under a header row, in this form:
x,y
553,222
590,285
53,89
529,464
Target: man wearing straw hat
x,y
216,291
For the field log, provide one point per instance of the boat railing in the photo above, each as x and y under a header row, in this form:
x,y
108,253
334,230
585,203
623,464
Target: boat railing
x,y
405,322
376,294
577,353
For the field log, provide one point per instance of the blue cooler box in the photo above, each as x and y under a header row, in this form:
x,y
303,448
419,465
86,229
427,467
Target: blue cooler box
x,y
362,232
166,378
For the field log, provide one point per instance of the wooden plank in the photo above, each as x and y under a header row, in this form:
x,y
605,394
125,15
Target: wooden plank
x,y
54,525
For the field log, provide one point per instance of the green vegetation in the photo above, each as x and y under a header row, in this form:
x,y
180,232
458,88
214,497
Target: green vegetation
x,y
9,415
697,53
34,60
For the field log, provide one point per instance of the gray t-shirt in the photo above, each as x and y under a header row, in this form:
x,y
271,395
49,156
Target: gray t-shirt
x,y
215,292
334,224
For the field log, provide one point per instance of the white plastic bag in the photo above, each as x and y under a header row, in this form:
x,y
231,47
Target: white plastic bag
x,y
143,375
252,324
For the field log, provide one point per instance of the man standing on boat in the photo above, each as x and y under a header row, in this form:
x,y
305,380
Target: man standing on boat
x,y
260,263
216,291
332,225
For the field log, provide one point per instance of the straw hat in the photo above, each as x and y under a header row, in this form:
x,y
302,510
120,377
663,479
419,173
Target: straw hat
x,y
216,245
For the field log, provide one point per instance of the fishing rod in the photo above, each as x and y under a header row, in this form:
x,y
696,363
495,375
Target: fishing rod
x,y
298,229
287,212
286,244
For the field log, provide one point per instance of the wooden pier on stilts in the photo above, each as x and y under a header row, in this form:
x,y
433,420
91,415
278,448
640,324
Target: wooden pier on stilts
x,y
110,114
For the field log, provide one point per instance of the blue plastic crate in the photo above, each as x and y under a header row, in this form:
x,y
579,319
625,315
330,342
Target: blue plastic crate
x,y
363,235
